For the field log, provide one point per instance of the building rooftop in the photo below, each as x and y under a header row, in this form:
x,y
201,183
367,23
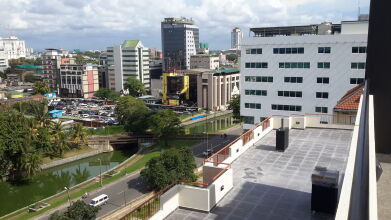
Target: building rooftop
x,y
277,185
130,43
351,100
29,66
224,70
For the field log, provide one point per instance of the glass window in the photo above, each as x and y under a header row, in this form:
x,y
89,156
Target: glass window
x,y
293,79
294,65
353,65
275,50
248,65
258,65
362,50
320,65
264,65
327,50
307,65
320,49
294,50
286,79
282,51
281,65
300,79
326,65
300,65
301,50
253,51
248,51
252,65
354,49
361,65
270,79
274,107
288,50
259,51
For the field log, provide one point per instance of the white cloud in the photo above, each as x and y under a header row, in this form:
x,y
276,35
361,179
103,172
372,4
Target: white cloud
x,y
133,18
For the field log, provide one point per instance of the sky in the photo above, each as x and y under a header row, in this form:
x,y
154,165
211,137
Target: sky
x,y
97,24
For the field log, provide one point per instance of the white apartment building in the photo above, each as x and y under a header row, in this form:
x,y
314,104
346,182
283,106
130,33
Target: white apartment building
x,y
13,47
3,60
300,69
131,59
236,37
204,61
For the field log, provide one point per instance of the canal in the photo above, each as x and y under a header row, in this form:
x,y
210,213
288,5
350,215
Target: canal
x,y
53,180
211,125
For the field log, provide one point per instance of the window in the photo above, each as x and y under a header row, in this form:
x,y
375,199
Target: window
x,y
295,108
324,65
258,79
293,79
321,109
323,80
322,95
324,49
356,80
256,65
255,92
300,65
129,55
359,49
290,93
204,80
358,65
290,50
248,119
252,105
254,51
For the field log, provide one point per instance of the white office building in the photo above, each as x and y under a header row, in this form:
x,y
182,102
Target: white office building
x,y
131,59
300,69
236,37
13,47
3,60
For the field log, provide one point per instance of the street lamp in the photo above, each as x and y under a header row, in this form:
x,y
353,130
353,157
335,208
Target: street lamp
x,y
100,171
69,198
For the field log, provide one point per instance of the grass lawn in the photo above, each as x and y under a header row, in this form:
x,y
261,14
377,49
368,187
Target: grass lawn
x,y
71,153
108,130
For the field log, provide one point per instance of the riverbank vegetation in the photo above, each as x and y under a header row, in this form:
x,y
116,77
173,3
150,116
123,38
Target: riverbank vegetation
x,y
27,135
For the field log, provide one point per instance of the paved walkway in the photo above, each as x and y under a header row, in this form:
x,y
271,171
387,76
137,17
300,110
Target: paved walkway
x,y
275,185
210,116
384,188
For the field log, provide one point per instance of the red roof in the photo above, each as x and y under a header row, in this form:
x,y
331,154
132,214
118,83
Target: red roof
x,y
351,100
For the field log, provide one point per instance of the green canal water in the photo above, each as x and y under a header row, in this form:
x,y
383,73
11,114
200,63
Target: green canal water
x,y
53,180
211,125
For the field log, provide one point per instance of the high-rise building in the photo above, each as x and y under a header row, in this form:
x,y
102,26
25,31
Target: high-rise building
x,y
78,80
180,40
51,61
300,69
236,37
3,60
13,47
131,59
102,70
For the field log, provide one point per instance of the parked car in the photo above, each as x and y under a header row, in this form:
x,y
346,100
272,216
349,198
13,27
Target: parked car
x,y
207,153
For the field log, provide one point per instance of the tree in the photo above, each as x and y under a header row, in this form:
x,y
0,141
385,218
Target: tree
x,y
234,105
41,88
79,134
232,57
174,164
77,211
135,87
29,78
165,124
133,114
107,93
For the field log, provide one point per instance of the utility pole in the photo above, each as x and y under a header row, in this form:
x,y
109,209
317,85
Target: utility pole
x,y
69,198
100,171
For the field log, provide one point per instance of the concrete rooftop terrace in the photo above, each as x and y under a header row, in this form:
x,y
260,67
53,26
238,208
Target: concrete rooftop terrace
x,y
277,185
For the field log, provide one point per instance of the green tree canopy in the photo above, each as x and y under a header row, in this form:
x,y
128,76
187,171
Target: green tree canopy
x,y
29,78
107,93
135,87
234,105
133,114
232,57
77,211
165,124
41,88
174,164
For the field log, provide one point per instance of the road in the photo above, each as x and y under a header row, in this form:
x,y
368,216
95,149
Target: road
x,y
216,142
124,190
131,187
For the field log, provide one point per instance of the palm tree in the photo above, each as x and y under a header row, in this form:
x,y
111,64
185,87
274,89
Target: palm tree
x,y
79,134
30,164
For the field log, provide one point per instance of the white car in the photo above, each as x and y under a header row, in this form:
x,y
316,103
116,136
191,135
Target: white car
x,y
207,153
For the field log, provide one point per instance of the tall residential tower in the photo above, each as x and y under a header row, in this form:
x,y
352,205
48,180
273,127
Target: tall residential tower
x,y
131,59
180,40
236,38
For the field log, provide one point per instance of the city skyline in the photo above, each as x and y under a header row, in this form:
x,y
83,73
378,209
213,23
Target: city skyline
x,y
97,24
